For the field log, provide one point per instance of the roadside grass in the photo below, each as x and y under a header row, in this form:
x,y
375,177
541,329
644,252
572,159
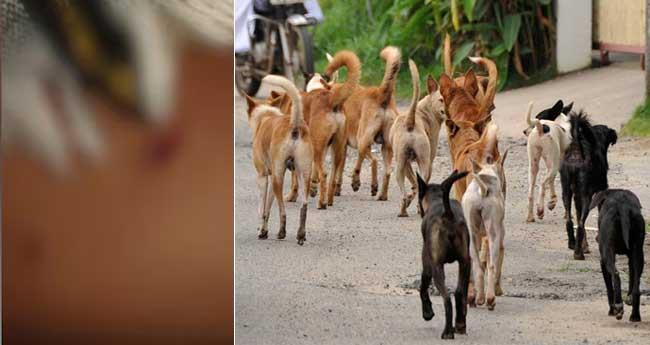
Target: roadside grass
x,y
639,124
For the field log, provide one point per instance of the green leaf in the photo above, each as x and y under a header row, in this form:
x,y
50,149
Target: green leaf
x,y
544,2
468,8
511,25
462,52
498,50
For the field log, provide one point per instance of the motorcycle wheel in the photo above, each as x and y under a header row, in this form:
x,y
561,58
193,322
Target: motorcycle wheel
x,y
247,84
305,50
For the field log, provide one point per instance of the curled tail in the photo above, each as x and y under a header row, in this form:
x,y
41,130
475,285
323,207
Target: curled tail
x,y
393,58
483,188
446,187
415,78
351,62
493,78
490,141
449,69
292,91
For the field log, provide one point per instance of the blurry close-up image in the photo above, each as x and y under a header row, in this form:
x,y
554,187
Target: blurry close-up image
x,y
116,171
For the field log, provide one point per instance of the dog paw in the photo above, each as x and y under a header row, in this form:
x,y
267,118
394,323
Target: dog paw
x,y
382,197
618,311
373,189
572,245
578,256
301,241
313,190
491,303
460,328
540,212
282,234
498,290
635,318
402,214
611,311
337,190
322,206
427,313
551,204
264,234
356,184
292,197
530,219
480,300
447,335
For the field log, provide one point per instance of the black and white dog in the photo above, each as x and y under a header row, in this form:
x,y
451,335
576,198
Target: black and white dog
x,y
621,230
583,172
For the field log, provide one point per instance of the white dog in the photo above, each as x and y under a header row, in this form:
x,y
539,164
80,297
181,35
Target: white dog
x,y
484,208
548,140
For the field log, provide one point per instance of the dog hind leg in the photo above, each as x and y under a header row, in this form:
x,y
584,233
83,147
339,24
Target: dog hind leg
x,y
425,281
387,155
635,277
567,195
400,169
533,169
278,179
464,273
263,186
439,281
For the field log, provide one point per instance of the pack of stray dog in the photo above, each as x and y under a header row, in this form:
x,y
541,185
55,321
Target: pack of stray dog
x,y
295,130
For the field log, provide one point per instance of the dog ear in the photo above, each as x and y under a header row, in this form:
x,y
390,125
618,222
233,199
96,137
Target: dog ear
x,y
452,127
598,199
251,103
566,110
480,125
557,108
432,85
471,83
325,84
611,137
476,168
446,84
422,186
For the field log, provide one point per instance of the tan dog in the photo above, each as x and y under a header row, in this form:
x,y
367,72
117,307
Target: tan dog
x,y
369,114
484,209
280,143
414,136
322,108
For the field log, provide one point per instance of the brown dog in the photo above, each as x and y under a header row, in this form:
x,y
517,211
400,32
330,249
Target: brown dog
x,y
369,114
467,119
322,108
279,143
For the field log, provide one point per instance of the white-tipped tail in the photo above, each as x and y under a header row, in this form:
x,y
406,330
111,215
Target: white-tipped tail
x,y
292,91
335,76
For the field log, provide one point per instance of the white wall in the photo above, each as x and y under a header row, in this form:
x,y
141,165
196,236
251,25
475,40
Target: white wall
x,y
573,34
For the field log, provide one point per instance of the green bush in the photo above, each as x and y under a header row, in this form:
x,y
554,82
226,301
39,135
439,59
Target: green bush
x,y
639,125
519,35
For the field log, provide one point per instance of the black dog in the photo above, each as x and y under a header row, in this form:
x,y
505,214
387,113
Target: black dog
x,y
621,230
553,112
446,239
583,172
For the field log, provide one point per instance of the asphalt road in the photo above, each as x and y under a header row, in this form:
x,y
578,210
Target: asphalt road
x,y
356,279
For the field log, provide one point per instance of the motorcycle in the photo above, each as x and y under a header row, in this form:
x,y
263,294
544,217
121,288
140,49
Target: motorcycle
x,y
280,43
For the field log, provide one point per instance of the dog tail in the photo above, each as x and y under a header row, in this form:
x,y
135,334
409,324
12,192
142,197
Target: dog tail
x,y
446,187
626,225
529,122
481,185
493,78
449,69
490,142
335,75
351,62
393,58
415,78
292,91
